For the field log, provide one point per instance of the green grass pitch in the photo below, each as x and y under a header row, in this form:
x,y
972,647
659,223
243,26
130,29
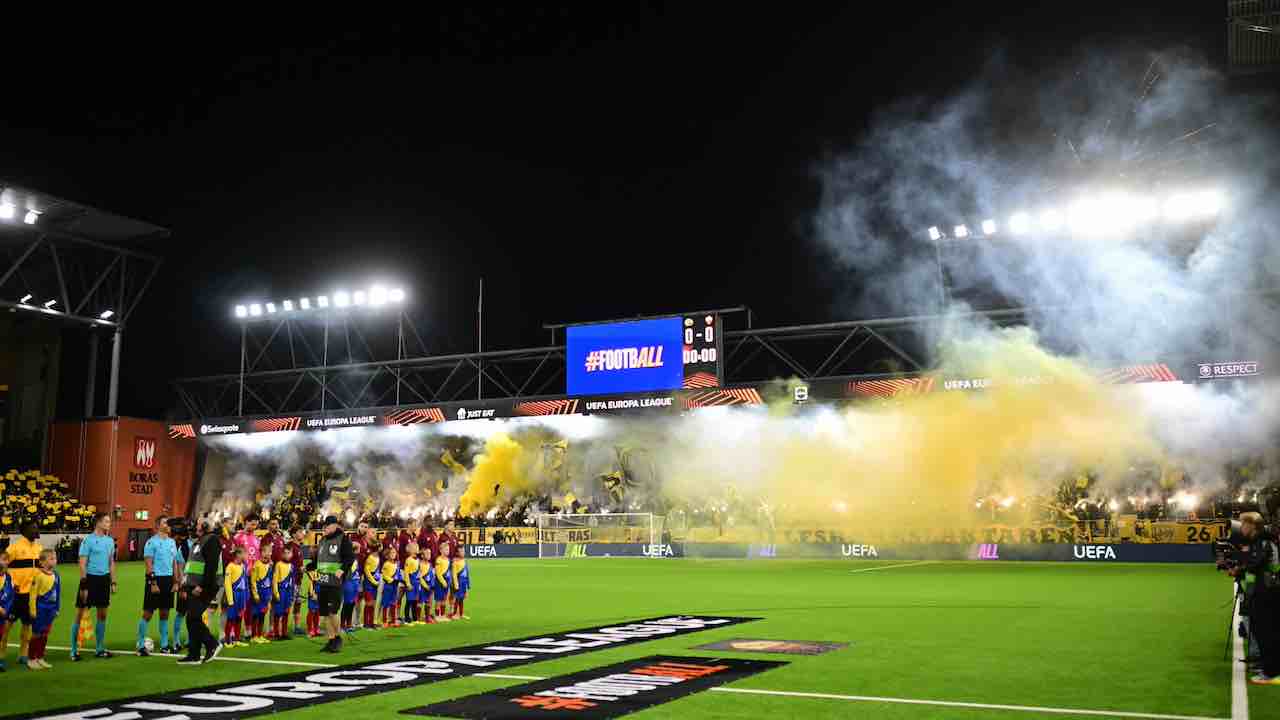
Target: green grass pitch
x,y
1109,637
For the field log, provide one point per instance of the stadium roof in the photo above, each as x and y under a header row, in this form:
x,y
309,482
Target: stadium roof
x,y
72,220
65,261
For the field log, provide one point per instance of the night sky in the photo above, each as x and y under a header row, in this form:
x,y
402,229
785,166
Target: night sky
x,y
588,164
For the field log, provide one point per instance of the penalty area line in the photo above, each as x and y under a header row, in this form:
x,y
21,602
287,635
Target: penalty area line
x,y
900,565
220,658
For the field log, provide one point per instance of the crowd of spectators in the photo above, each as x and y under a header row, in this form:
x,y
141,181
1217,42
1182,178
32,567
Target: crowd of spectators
x,y
46,500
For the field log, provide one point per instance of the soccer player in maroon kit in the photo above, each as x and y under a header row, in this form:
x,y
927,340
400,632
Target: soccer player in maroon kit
x,y
365,542
227,543
406,537
360,543
402,546
449,547
427,540
273,540
271,550
295,547
429,545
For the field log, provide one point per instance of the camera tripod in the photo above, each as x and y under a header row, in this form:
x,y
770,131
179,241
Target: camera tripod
x,y
1236,600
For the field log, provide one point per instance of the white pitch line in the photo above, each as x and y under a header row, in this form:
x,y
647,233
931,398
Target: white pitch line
x,y
890,567
219,658
980,706
910,701
818,696
1239,684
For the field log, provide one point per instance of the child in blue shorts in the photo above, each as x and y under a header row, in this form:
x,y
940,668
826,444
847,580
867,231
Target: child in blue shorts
x,y
283,593
236,586
350,595
461,586
46,591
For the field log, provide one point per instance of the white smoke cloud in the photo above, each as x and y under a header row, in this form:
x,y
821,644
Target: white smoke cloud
x,y
1015,138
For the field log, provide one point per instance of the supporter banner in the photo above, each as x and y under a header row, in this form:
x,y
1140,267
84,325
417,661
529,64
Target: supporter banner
x,y
608,692
498,535
1142,531
303,689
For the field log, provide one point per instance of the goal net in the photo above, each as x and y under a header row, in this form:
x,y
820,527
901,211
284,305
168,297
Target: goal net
x,y
562,535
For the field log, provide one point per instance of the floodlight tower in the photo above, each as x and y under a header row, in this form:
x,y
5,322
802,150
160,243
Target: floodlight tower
x,y
340,304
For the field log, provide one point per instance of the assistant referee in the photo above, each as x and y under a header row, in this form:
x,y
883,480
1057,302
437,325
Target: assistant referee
x,y
97,583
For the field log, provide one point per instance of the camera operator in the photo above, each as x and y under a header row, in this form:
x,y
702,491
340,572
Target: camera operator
x,y
1261,559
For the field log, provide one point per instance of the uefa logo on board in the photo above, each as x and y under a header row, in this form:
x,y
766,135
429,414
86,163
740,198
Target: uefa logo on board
x,y
144,453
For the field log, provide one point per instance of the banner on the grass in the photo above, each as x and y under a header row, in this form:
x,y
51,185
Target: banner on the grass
x,y
287,692
608,692
783,647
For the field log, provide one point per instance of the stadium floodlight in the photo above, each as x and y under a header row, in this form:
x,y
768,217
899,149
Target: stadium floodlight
x,y
287,306
50,303
1144,209
322,301
1050,220
1085,216
7,211
396,295
271,308
988,227
242,311
31,217
341,299
935,233
304,304
255,309
358,297
106,314
377,296
1178,207
25,298
1207,203
1019,223
961,231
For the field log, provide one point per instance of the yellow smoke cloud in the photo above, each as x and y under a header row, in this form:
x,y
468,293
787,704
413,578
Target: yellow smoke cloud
x,y
909,462
499,472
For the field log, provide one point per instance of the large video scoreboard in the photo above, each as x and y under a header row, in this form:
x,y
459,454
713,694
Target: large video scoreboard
x,y
667,353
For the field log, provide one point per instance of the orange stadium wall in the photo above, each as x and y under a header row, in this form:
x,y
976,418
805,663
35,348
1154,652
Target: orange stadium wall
x,y
124,465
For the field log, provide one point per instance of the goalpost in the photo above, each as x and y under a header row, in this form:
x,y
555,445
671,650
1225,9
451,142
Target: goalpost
x,y
561,535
